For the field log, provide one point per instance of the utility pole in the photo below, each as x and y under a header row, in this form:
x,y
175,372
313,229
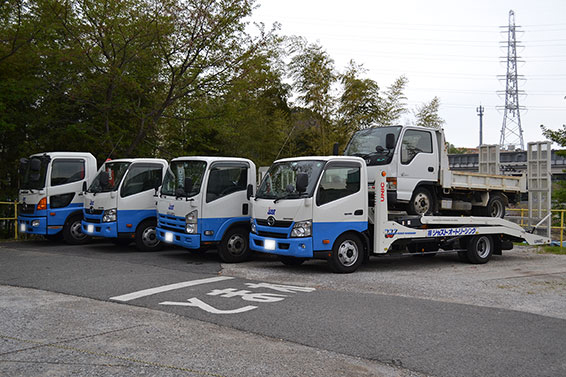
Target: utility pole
x,y
479,110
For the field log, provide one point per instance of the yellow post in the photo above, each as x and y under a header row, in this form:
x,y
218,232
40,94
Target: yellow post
x,y
16,220
561,227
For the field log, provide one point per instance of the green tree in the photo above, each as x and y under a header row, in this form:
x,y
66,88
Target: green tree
x,y
313,74
426,115
394,103
559,137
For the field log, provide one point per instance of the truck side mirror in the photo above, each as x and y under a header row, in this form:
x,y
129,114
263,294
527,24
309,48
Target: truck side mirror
x,y
250,191
84,186
390,141
104,180
35,164
335,149
302,182
23,165
188,185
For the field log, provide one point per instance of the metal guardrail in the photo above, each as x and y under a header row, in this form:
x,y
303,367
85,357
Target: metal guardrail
x,y
14,218
558,217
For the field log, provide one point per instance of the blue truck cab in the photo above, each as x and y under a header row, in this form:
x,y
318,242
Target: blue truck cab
x,y
205,202
120,202
50,195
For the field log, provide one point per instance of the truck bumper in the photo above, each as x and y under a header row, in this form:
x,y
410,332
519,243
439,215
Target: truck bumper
x,y
293,247
189,241
108,230
35,225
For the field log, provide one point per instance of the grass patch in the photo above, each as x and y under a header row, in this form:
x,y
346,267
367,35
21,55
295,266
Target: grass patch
x,y
552,250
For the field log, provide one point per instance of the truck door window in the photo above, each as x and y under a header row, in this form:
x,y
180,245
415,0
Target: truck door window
x,y
338,181
65,171
415,142
226,179
140,178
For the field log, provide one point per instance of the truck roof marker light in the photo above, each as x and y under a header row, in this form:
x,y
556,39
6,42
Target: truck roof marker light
x,y
383,173
42,205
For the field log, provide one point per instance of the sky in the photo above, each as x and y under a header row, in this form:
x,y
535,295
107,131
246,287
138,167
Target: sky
x,y
455,50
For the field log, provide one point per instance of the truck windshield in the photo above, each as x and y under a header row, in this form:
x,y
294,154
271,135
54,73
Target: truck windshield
x,y
33,172
370,144
109,177
183,173
280,180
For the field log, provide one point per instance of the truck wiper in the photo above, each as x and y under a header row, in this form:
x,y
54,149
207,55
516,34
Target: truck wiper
x,y
294,195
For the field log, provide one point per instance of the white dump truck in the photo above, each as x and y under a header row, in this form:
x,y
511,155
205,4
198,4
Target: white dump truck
x,y
318,207
419,179
50,197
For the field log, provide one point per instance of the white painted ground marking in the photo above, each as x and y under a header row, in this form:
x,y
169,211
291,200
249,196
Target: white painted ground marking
x,y
281,287
170,287
247,295
195,302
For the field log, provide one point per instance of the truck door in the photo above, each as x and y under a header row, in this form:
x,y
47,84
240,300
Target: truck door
x,y
135,201
417,162
225,199
340,204
64,189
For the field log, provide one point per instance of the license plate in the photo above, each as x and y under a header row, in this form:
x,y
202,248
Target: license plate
x,y
22,227
269,244
90,228
168,237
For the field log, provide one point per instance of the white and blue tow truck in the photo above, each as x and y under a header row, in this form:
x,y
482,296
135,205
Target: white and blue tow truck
x,y
50,195
120,202
317,207
205,202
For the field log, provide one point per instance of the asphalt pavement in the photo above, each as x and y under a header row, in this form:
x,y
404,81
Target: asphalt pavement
x,y
102,310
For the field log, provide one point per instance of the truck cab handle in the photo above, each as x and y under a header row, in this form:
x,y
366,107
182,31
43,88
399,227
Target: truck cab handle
x,y
430,169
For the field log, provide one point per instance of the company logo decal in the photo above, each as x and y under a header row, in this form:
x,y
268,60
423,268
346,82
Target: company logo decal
x,y
382,198
271,221
91,203
271,211
171,207
390,233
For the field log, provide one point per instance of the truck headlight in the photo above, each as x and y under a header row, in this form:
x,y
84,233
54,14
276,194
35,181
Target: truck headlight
x,y
109,215
191,222
302,229
252,226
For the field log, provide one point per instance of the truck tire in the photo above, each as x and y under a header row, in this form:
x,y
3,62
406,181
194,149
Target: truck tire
x,y
495,207
291,261
422,202
72,231
480,248
146,236
347,254
233,247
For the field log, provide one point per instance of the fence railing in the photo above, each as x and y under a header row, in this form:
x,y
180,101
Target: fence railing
x,y
13,218
557,229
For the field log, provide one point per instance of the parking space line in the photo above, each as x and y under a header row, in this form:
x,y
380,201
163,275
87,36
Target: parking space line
x,y
170,287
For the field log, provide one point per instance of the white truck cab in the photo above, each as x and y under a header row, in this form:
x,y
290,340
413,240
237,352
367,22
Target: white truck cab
x,y
419,179
50,195
204,202
120,202
317,207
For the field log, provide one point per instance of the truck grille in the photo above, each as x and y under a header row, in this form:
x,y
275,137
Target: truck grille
x,y
277,224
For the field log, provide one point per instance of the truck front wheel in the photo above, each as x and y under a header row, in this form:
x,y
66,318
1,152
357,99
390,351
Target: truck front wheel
x,y
347,254
422,202
146,236
72,231
234,246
